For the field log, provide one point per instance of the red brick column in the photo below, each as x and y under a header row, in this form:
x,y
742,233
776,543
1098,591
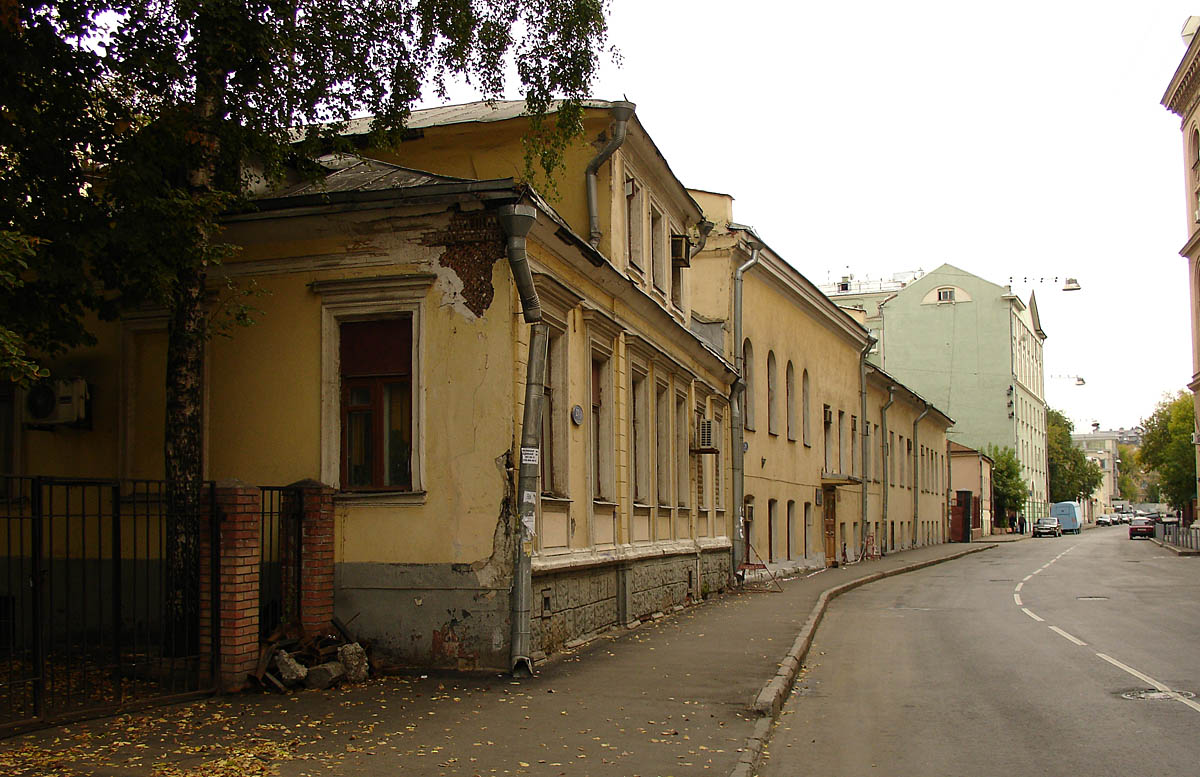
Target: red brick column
x,y
237,508
316,555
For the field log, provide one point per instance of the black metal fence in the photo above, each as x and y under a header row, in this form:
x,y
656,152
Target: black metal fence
x,y
1185,537
279,558
99,597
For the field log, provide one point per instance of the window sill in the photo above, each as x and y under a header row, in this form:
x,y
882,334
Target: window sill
x,y
555,499
603,503
381,498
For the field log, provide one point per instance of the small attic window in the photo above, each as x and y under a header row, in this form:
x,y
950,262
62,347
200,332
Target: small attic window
x,y
945,295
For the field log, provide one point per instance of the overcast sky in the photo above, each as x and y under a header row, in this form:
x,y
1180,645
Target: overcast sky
x,y
1021,140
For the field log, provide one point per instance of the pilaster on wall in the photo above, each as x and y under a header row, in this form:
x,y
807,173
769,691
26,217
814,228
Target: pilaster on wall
x,y
316,555
237,508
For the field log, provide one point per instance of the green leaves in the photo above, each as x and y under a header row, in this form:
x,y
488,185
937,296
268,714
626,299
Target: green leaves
x,y
1072,476
1167,448
1008,487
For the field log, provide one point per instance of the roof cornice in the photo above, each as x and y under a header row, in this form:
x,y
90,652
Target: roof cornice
x,y
1181,92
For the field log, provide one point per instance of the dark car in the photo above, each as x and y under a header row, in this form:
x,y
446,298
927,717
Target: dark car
x,y
1047,527
1141,527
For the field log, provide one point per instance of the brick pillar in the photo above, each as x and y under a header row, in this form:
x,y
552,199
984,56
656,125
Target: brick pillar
x,y
237,508
316,555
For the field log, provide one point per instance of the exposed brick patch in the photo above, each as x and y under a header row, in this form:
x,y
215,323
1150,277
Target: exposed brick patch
x,y
474,243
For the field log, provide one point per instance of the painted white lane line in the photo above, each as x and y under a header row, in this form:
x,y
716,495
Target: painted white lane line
x,y
1019,586
1017,599
1151,681
1067,636
1026,578
1029,612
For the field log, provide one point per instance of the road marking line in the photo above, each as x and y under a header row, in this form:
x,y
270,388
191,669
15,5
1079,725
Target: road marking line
x,y
1067,636
1045,565
1017,599
1019,585
1147,679
1026,578
1029,612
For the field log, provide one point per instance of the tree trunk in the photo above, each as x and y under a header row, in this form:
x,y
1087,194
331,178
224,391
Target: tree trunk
x,y
184,447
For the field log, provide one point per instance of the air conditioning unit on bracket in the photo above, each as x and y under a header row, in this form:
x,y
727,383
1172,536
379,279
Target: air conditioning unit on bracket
x,y
56,403
706,437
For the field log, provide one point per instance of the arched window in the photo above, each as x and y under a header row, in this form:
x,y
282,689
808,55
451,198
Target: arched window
x,y
805,408
748,379
772,394
790,386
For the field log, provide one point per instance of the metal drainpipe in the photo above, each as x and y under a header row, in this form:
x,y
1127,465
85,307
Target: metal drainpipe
x,y
622,112
736,395
916,441
862,384
887,457
516,221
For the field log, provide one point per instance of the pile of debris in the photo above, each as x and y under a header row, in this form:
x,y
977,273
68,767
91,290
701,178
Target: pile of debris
x,y
289,659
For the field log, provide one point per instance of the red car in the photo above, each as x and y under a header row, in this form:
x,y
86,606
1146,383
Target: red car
x,y
1141,527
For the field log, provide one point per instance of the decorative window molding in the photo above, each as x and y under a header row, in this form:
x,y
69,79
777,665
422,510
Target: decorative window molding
x,y
362,299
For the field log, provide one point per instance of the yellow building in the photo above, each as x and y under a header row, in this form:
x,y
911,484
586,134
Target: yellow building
x,y
410,303
812,413
389,361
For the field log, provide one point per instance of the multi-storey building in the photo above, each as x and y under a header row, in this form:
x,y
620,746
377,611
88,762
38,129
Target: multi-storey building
x,y
972,347
1183,99
820,426
1101,447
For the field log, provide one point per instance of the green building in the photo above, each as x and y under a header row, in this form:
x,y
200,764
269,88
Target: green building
x,y
973,348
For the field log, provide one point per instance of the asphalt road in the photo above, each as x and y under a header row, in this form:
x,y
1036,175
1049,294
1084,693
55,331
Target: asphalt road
x,y
1072,656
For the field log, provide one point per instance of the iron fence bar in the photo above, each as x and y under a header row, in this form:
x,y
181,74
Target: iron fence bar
x,y
117,591
36,592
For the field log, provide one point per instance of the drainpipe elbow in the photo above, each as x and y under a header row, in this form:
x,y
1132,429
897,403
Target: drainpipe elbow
x,y
516,221
622,112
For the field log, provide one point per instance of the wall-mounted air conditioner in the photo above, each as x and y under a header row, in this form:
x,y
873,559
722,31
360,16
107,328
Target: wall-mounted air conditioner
x,y
54,402
706,437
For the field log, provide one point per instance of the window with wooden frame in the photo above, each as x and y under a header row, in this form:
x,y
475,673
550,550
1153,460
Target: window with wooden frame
x,y
662,442
772,394
554,436
658,249
639,427
634,225
789,380
377,404
683,450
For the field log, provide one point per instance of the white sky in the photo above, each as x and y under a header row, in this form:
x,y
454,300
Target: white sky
x,y
1013,140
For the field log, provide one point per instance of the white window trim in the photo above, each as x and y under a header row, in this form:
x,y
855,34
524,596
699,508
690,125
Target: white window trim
x,y
352,299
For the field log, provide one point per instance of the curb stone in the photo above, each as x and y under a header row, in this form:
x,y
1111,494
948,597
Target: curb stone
x,y
770,699
1173,549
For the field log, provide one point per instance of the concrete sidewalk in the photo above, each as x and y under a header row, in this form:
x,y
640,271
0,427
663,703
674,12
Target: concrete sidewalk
x,y
675,696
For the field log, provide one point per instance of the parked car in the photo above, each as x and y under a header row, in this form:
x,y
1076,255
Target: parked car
x,y
1069,516
1047,527
1104,520
1141,527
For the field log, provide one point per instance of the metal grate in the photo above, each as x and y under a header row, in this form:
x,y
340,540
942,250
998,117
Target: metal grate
x,y
99,596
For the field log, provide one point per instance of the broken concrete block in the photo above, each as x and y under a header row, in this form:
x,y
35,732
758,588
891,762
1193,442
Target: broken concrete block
x,y
354,659
325,675
291,671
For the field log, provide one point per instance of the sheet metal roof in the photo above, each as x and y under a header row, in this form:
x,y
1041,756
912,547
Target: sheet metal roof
x,y
465,113
357,174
